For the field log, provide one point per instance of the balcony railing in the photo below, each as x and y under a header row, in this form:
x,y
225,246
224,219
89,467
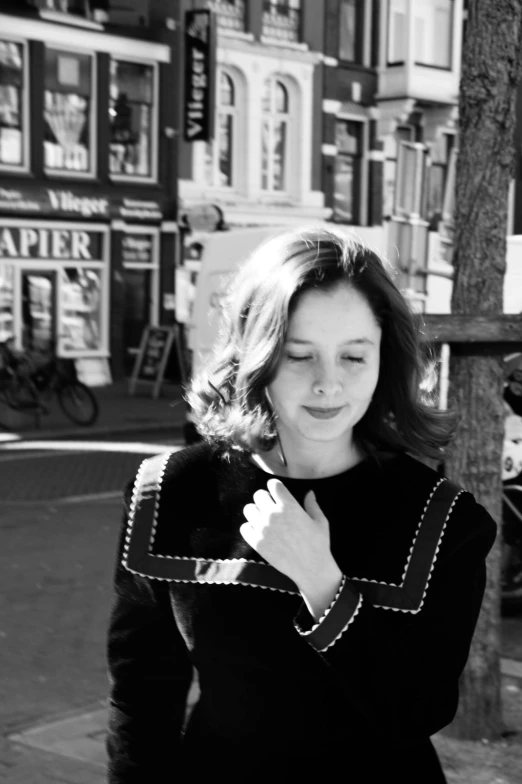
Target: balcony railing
x,y
230,13
282,20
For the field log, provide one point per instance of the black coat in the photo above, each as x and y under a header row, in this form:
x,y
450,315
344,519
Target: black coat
x,y
361,692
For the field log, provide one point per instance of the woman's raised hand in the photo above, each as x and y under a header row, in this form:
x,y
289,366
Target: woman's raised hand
x,y
294,540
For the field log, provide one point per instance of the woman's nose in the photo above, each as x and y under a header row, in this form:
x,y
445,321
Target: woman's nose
x,y
327,382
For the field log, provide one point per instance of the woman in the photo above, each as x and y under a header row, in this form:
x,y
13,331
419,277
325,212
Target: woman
x,y
323,582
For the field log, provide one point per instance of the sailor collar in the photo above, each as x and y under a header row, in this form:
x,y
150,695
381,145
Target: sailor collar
x,y
408,596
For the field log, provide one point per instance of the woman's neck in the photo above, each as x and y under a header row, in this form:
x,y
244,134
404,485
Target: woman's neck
x,y
315,464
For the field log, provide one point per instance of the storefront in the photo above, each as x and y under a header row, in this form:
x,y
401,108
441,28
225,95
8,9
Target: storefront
x,y
54,286
84,272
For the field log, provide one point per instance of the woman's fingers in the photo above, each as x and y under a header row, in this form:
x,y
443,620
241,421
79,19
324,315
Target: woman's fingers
x,y
279,492
263,500
252,514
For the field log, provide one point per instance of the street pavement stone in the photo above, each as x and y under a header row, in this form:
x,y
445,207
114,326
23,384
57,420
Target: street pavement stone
x,y
119,412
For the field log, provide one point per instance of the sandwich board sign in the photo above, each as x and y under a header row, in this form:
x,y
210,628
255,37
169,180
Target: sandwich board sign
x,y
152,357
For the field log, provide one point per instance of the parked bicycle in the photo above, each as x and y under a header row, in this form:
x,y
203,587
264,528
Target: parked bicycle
x,y
28,385
17,390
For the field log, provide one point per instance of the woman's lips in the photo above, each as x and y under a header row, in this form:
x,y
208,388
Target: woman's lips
x,y
323,413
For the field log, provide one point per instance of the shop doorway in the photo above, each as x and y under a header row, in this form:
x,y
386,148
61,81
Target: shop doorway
x,y
137,311
38,310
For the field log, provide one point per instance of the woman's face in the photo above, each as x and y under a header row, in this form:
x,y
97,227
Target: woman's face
x,y
329,367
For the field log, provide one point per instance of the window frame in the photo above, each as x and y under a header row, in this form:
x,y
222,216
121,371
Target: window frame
x,y
153,177
287,166
360,25
25,166
409,32
217,5
450,44
389,62
230,111
265,32
418,153
392,159
442,165
93,119
361,214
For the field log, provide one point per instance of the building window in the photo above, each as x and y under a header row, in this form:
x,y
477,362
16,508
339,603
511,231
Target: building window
x,y
230,13
433,32
274,136
68,112
348,171
404,133
78,7
12,121
410,185
219,153
397,38
132,121
81,300
282,19
6,301
437,175
351,36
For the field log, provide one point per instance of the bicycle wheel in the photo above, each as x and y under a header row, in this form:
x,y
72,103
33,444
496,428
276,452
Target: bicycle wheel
x,y
78,403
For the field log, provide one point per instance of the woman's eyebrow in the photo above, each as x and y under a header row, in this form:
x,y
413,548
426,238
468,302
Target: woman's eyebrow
x,y
354,341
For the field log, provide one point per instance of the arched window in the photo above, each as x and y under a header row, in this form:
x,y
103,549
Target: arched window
x,y
274,139
219,153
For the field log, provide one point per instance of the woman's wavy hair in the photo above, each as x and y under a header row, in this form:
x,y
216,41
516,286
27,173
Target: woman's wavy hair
x,y
227,396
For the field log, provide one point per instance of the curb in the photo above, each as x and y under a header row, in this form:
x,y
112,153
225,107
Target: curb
x,y
81,736
85,434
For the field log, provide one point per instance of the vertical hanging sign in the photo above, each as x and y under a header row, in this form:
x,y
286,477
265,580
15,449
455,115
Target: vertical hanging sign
x,y
200,59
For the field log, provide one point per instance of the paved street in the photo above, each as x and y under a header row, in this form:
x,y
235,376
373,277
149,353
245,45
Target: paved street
x,y
56,563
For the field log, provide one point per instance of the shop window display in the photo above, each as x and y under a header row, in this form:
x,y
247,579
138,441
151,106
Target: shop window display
x,y
81,309
6,301
131,118
67,111
11,103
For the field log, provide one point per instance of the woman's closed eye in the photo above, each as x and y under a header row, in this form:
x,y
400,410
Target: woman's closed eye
x,y
307,357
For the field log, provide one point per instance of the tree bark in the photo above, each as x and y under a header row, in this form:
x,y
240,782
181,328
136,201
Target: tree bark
x,y
491,67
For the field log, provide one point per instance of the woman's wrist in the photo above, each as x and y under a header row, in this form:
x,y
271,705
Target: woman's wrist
x,y
319,594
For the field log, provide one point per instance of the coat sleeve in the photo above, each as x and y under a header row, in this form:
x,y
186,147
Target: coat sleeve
x,y
399,669
149,674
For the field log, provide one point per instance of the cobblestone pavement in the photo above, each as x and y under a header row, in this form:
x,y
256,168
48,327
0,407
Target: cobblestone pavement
x,y
50,475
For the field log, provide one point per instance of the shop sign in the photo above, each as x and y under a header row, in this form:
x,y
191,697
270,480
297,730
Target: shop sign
x,y
58,202
137,248
198,109
86,206
137,209
56,244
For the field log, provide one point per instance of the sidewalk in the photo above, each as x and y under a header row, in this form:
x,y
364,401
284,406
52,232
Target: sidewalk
x,y
119,413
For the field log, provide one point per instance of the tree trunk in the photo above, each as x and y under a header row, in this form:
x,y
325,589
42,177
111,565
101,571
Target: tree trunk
x,y
490,72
